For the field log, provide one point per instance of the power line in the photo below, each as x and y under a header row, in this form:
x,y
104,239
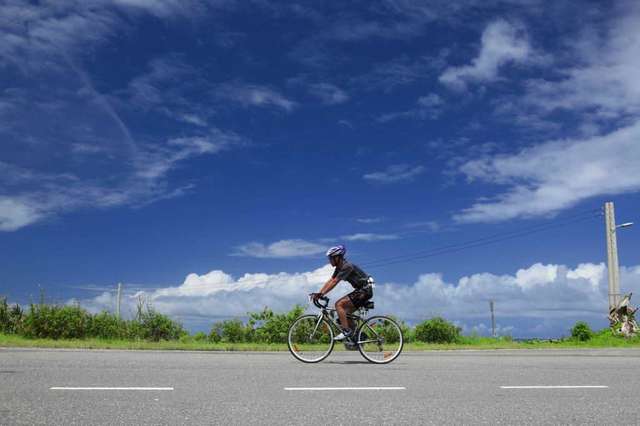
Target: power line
x,y
479,242
564,220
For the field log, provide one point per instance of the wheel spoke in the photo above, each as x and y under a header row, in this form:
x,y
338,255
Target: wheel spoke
x,y
310,338
380,339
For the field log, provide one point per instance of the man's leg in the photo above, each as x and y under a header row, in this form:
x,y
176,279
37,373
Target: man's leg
x,y
344,307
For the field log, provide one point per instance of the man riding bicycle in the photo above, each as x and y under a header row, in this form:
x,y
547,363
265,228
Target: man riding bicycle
x,y
361,282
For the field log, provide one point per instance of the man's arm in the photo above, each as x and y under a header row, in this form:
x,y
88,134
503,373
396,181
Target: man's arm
x,y
329,285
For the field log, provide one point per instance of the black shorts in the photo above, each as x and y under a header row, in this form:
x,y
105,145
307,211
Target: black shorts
x,y
361,296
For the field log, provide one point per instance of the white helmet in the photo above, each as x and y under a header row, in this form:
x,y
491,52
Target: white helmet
x,y
337,251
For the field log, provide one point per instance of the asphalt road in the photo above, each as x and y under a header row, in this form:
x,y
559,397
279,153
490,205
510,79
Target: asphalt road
x,y
454,387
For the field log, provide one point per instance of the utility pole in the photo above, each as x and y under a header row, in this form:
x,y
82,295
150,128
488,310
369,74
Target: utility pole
x,y
612,255
493,319
118,300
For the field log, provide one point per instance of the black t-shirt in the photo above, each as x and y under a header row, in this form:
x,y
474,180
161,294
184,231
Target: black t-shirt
x,y
352,273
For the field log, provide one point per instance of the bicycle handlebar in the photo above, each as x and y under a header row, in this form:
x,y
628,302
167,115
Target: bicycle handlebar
x,y
317,303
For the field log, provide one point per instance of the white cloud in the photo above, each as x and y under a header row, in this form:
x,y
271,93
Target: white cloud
x,y
194,119
30,196
367,236
162,8
542,300
328,93
116,168
280,249
41,35
401,71
502,43
156,87
157,161
602,78
431,225
254,95
427,107
395,173
16,213
370,220
556,175
600,87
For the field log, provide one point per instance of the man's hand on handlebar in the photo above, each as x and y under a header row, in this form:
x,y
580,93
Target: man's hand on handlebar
x,y
316,296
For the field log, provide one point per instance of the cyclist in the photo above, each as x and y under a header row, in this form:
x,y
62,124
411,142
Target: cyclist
x,y
361,282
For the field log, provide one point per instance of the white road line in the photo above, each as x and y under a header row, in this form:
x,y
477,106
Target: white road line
x,y
349,388
554,387
111,388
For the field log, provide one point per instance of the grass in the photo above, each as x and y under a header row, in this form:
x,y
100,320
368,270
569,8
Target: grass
x,y
603,339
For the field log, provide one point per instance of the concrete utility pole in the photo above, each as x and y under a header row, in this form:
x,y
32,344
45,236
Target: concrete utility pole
x,y
118,300
493,320
612,254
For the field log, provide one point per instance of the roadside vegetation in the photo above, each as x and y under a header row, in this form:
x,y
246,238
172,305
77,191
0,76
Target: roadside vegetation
x,y
71,326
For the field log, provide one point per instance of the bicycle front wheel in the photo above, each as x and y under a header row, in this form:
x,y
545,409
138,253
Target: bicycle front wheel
x,y
310,338
380,339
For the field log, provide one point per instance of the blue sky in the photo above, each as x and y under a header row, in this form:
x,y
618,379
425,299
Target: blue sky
x,y
145,141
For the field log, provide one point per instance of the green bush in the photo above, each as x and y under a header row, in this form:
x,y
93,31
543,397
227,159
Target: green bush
x,y
4,316
56,322
106,325
215,335
437,330
200,337
233,331
269,327
155,326
408,333
10,317
581,331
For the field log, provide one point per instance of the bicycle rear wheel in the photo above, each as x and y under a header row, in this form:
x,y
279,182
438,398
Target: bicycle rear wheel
x,y
380,339
310,338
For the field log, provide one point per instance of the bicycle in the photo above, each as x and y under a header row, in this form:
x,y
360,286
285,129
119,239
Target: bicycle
x,y
378,338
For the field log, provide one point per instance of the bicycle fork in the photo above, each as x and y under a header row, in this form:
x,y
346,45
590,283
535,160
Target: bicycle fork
x,y
316,327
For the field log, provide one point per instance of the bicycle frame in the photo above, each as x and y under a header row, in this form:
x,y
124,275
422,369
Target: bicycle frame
x,y
325,312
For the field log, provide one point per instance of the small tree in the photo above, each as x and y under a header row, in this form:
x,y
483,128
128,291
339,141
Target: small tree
x,y
106,325
156,326
200,337
269,327
437,330
215,335
233,331
581,331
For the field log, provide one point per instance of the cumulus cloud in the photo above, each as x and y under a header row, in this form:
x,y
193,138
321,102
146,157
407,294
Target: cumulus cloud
x,y
395,173
280,249
556,175
502,43
542,300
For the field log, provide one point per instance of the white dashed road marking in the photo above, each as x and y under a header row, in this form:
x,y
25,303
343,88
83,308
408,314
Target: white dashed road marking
x,y
554,387
349,388
111,388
